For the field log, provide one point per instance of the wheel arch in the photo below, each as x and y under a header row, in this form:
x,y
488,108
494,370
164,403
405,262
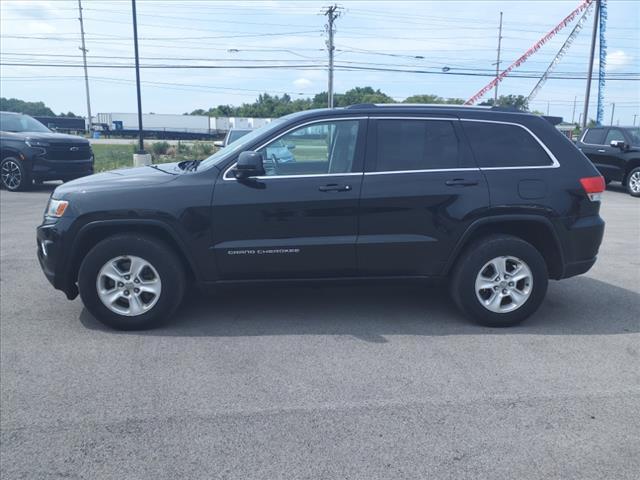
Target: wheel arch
x,y
630,165
90,234
534,229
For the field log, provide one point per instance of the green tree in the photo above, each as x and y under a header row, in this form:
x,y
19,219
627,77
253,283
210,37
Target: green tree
x,y
519,102
30,108
428,98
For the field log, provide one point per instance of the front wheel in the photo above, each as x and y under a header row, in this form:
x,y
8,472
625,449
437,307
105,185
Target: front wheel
x,y
131,282
13,175
632,182
500,281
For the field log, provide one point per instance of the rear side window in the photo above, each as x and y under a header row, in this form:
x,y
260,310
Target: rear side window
x,y
595,136
499,145
416,145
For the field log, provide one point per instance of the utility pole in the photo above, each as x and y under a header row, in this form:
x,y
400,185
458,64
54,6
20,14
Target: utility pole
x,y
495,93
135,44
596,14
332,13
613,109
547,109
84,59
634,119
573,115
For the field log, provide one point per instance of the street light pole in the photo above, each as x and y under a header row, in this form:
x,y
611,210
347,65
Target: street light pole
x,y
135,44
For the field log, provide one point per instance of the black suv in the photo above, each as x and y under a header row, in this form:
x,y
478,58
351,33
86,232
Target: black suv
x,y
615,151
30,152
496,202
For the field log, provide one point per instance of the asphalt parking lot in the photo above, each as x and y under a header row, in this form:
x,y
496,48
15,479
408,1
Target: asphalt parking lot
x,y
356,382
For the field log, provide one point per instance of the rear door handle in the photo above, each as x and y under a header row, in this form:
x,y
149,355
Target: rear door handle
x,y
461,182
334,187
600,150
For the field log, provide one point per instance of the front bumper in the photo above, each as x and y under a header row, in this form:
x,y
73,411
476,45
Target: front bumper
x,y
43,169
50,240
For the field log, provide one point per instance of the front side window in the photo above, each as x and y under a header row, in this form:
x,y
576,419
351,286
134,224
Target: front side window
x,y
594,136
614,135
497,145
316,149
416,145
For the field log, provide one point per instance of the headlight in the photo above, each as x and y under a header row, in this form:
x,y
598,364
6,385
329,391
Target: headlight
x,y
35,143
56,208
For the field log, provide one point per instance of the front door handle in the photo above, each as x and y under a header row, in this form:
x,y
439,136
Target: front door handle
x,y
334,187
600,150
460,182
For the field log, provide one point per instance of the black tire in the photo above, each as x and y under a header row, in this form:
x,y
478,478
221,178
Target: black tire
x,y
10,168
475,257
630,182
167,264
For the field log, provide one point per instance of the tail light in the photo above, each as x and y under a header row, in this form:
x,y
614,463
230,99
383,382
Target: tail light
x,y
593,187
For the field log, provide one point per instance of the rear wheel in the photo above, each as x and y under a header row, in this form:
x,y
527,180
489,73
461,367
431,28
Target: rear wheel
x,y
131,282
13,176
632,182
500,280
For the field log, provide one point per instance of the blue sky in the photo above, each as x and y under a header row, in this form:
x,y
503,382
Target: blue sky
x,y
289,35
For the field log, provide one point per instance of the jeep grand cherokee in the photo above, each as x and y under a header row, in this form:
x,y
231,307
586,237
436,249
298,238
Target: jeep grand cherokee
x,y
495,202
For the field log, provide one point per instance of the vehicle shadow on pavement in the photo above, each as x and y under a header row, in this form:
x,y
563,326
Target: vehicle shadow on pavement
x,y
579,306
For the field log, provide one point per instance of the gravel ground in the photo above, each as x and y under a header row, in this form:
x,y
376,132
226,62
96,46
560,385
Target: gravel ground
x,y
322,382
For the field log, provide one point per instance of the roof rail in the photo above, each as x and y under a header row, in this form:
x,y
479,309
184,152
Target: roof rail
x,y
439,105
361,105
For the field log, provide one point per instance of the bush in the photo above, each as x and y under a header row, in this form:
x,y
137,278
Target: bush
x,y
160,148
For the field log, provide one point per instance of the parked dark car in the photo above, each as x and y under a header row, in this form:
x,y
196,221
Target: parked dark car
x,y
231,136
615,151
494,202
30,152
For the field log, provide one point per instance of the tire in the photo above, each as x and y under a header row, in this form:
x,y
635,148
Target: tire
x,y
13,175
632,182
113,258
474,268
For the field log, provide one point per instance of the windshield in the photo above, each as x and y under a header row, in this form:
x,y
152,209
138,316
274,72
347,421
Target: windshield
x,y
634,133
239,144
20,123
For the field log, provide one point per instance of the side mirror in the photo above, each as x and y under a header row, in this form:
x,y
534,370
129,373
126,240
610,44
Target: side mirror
x,y
618,144
218,143
291,146
249,165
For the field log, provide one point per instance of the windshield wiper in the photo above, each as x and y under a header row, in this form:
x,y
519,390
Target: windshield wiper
x,y
189,165
161,169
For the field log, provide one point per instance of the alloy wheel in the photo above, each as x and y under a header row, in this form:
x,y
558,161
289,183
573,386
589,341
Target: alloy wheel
x,y
11,175
128,285
504,284
634,182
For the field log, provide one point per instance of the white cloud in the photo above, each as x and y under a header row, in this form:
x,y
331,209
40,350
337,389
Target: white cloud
x,y
302,83
617,59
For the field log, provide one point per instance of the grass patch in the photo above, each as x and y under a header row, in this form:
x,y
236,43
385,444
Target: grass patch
x,y
110,157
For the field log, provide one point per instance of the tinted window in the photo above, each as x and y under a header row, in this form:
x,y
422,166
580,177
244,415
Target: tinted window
x,y
614,135
416,145
20,123
314,149
595,136
499,145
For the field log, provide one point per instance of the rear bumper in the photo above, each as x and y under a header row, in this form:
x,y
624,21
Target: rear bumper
x,y
581,243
